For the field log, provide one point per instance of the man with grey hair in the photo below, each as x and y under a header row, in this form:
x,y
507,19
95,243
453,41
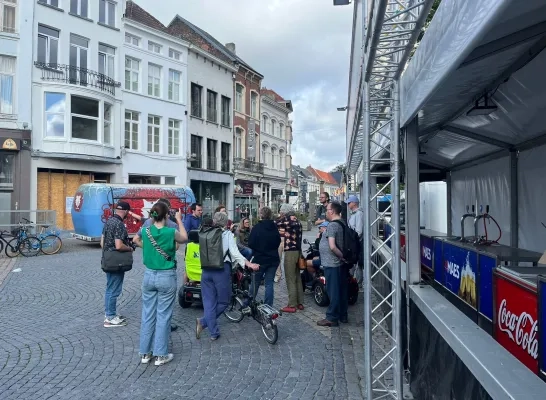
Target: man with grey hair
x,y
291,230
355,222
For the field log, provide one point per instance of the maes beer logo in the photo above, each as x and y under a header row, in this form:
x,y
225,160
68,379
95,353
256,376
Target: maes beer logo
x,y
452,269
426,253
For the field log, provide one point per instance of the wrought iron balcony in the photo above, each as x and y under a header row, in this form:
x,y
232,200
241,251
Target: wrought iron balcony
x,y
77,76
248,165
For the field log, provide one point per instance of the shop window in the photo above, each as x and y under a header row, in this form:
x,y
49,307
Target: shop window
x,y
6,169
85,118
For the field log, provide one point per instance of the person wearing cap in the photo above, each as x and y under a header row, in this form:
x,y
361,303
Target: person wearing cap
x,y
355,214
115,238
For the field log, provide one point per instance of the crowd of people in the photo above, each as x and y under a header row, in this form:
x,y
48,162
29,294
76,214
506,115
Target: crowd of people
x,y
271,247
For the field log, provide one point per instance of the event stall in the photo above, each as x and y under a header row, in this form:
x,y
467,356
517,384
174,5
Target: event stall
x,y
473,109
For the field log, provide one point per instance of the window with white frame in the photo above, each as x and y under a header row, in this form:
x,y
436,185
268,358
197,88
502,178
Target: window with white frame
x,y
264,123
254,105
78,59
79,7
107,55
154,47
274,163
154,127
55,107
173,146
281,131
239,105
48,45
154,80
273,130
212,108
238,143
132,119
107,124
226,111
132,39
7,79
132,73
174,85
174,54
7,15
265,154
107,12
84,117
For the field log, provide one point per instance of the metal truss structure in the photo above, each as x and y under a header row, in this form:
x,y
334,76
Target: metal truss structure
x,y
393,27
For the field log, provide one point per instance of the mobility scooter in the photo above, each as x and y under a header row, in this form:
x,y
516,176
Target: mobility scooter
x,y
190,292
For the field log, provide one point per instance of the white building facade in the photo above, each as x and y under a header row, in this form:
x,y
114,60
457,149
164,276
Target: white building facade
x,y
15,112
154,93
76,99
275,138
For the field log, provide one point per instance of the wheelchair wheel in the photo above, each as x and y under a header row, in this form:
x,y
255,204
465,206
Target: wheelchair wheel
x,y
182,299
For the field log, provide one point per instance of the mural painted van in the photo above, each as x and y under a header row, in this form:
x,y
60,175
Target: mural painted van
x,y
94,203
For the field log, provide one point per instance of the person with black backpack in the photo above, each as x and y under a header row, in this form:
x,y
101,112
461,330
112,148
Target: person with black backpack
x,y
218,252
338,252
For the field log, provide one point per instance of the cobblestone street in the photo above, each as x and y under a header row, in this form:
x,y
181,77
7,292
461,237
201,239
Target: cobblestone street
x,y
53,344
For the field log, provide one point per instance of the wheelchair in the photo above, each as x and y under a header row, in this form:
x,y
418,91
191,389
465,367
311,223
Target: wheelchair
x,y
190,292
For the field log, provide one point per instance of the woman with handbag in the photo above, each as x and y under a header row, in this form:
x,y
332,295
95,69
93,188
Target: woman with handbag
x,y
159,244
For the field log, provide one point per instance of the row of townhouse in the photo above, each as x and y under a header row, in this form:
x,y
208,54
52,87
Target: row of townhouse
x,y
101,91
309,182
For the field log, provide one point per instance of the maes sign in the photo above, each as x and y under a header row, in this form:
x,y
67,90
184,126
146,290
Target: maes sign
x,y
251,146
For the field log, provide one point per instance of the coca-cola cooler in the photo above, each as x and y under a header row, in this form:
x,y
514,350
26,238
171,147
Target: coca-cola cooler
x,y
515,316
541,283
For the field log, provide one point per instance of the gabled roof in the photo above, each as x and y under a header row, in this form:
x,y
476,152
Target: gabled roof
x,y
217,45
184,29
136,13
277,97
323,176
302,171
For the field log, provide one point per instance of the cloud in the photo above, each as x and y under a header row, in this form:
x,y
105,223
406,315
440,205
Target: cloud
x,y
302,47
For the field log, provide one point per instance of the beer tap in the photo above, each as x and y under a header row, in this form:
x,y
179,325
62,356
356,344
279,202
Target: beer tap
x,y
477,219
464,217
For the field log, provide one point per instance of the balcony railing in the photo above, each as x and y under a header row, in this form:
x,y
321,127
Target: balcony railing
x,y
211,163
77,76
196,162
224,166
248,165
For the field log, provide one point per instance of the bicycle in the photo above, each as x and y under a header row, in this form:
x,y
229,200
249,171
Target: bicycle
x,y
264,314
50,241
23,243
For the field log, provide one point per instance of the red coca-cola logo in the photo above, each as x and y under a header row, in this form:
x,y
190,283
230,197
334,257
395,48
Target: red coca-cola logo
x,y
522,329
516,319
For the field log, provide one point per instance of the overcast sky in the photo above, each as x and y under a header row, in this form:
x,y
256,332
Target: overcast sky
x,y
302,47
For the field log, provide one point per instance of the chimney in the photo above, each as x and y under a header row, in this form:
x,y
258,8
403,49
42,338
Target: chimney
x,y
231,47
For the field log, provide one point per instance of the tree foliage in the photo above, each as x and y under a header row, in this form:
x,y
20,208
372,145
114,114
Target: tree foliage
x,y
339,168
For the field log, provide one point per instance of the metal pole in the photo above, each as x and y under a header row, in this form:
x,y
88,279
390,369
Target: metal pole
x,y
367,244
396,263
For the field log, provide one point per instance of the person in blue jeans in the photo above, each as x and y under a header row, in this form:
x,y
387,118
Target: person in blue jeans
x,y
335,267
216,283
264,241
159,286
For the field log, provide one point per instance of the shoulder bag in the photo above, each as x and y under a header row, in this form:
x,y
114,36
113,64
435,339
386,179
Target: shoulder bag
x,y
117,261
159,249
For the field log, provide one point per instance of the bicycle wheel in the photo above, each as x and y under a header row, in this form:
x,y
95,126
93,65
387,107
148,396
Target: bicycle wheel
x,y
234,310
270,331
51,244
30,247
12,248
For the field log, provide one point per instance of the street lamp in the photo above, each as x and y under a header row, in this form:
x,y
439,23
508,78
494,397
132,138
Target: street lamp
x,y
342,2
342,108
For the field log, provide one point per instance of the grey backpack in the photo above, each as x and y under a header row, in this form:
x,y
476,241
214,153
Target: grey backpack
x,y
211,250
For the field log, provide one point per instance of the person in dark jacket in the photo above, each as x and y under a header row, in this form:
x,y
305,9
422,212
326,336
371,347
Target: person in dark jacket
x,y
193,221
264,241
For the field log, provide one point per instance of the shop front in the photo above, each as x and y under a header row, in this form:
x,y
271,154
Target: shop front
x,y
211,190
14,173
246,200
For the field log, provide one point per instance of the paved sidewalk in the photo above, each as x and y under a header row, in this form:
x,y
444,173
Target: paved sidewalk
x,y
53,344
6,265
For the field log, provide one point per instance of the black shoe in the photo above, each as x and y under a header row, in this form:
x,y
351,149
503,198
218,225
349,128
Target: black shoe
x,y
344,320
174,327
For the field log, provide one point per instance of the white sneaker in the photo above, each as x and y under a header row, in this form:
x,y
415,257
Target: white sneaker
x,y
277,279
160,360
146,358
116,321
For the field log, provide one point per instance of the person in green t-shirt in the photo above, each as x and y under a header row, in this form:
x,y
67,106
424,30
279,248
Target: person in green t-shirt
x,y
159,244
